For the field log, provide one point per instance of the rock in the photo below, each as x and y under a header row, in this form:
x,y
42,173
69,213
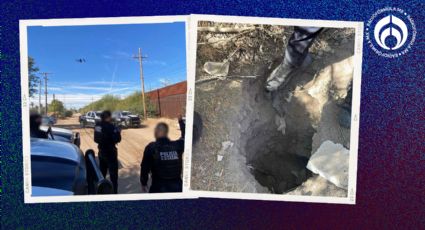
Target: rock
x,y
226,144
281,124
330,161
318,186
218,174
225,147
219,157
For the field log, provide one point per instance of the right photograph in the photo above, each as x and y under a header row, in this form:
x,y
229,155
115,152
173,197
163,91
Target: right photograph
x,y
273,109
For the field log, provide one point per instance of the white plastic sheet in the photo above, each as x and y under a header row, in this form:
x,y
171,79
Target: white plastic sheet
x,y
217,68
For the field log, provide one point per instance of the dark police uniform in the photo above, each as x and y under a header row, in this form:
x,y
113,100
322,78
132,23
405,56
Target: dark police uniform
x,y
37,133
35,127
107,136
299,43
163,158
296,54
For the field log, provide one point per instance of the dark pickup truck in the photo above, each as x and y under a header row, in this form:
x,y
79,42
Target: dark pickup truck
x,y
90,119
126,119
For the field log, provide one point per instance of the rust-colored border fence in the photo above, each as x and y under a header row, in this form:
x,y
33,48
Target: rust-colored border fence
x,y
169,101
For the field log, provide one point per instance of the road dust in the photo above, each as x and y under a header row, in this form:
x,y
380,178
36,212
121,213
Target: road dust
x,y
130,149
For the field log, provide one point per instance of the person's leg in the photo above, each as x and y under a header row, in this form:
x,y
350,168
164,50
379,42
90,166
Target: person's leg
x,y
296,53
155,187
171,186
176,186
299,44
165,186
103,165
113,173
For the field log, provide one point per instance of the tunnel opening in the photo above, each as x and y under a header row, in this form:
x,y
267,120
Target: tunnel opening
x,y
277,133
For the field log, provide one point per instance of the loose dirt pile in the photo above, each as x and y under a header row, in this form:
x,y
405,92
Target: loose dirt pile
x,y
271,138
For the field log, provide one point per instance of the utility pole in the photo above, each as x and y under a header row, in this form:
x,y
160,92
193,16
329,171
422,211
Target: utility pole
x,y
39,96
45,89
54,106
140,58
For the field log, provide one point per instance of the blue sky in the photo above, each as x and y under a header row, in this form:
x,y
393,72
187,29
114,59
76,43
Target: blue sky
x,y
108,50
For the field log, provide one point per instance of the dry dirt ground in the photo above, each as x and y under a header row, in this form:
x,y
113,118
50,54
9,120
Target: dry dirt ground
x,y
243,140
130,149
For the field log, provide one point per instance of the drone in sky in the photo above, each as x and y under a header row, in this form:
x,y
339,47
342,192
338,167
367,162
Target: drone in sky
x,y
81,60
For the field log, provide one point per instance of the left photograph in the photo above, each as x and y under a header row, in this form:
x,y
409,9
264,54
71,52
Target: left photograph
x,y
103,107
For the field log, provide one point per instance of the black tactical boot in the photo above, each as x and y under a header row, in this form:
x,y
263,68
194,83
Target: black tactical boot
x,y
279,76
283,73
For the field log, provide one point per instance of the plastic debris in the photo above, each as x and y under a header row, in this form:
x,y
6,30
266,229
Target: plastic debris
x,y
217,68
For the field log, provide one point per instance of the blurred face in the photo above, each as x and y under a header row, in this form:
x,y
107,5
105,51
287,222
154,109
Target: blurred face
x,y
108,119
38,120
160,132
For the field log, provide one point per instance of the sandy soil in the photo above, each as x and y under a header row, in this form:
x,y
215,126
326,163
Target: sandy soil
x,y
130,149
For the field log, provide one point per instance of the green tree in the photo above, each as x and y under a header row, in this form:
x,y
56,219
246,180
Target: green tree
x,y
132,103
56,107
68,113
32,78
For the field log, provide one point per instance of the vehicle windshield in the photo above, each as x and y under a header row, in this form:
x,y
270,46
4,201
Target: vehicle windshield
x,y
126,113
98,114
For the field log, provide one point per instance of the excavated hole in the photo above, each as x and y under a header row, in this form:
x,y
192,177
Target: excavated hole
x,y
271,164
276,159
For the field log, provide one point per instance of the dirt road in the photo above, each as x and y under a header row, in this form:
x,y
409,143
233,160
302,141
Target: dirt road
x,y
130,149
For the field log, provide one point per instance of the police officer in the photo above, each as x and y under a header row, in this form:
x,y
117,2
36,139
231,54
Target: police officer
x,y
163,159
35,123
107,135
296,55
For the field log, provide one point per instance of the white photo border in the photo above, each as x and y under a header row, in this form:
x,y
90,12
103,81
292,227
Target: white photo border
x,y
355,118
23,37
